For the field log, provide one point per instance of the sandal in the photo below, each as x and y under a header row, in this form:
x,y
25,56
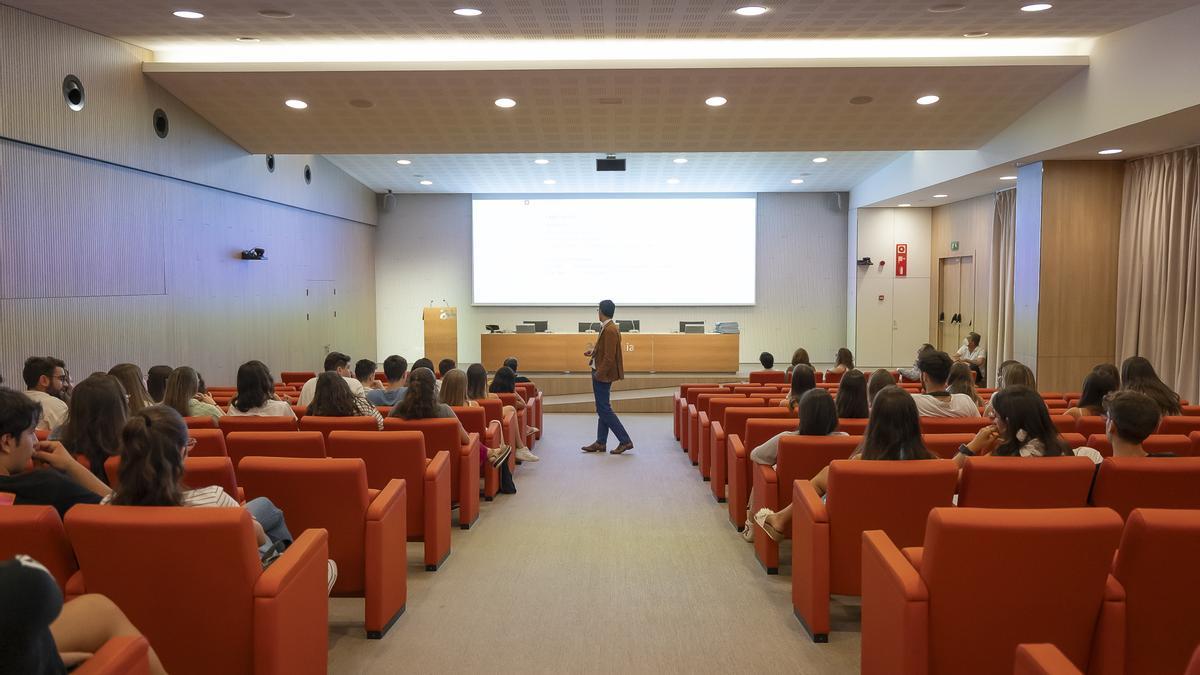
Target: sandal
x,y
761,519
499,455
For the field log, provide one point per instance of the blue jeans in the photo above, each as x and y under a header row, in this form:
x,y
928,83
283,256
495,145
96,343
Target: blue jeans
x,y
271,518
608,418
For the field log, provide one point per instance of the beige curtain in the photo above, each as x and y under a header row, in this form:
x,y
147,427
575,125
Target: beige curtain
x,y
1000,295
1158,275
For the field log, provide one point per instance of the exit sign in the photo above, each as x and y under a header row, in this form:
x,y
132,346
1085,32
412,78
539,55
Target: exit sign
x,y
954,245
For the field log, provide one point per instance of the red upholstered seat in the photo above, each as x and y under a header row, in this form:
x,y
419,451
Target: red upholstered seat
x,y
441,435
121,655
209,443
326,425
712,412
738,452
1127,483
198,472
1026,482
767,376
200,422
1176,444
734,424
230,423
953,425
275,444
38,532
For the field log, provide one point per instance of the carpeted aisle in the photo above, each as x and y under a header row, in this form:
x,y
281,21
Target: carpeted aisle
x,y
600,563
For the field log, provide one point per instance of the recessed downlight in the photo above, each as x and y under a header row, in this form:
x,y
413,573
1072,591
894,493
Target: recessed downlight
x,y
1008,177
247,38
1111,151
275,13
672,181
797,181
543,162
861,100
820,160
361,103
947,7
188,14
426,182
905,205
468,11
928,99
680,160
715,101
549,181
404,162
940,196
976,34
295,104
751,10
1037,7
505,103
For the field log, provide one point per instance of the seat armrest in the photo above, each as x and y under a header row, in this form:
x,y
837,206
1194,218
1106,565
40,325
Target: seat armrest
x,y
291,608
438,465
472,442
1043,659
124,655
394,494
703,416
766,489
386,557
718,433
895,610
492,434
435,521
1108,641
807,501
75,586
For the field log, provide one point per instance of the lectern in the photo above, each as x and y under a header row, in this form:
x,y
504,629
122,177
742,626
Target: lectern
x,y
441,333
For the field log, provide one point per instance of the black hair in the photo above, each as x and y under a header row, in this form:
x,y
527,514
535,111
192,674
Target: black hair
x,y
511,362
818,413
973,337
767,359
254,386
1027,419
879,379
332,397
130,377
608,308
1109,369
961,382
936,365
504,381
95,418
844,358
335,360
894,428
37,367
420,399
445,366
18,413
1137,374
804,377
1134,415
477,381
852,396
182,387
1096,385
151,472
423,363
364,369
156,382
395,367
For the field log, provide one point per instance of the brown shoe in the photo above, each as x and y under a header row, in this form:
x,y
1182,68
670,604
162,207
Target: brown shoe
x,y
594,447
620,449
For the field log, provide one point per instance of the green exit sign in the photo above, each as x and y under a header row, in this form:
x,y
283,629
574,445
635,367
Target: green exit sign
x,y
954,246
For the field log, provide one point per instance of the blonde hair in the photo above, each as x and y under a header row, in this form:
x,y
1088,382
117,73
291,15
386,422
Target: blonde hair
x,y
454,388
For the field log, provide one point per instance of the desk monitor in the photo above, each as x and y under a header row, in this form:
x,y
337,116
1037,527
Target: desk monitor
x,y
691,326
627,325
585,326
538,326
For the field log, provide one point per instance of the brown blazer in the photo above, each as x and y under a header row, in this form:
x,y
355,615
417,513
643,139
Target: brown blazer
x,y
606,355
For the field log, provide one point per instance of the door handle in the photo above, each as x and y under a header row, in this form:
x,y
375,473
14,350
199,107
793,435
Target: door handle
x,y
941,317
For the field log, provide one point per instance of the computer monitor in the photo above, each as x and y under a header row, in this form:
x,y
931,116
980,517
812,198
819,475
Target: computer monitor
x,y
585,326
691,326
538,326
627,325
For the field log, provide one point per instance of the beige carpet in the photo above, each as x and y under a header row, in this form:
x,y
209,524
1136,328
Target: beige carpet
x,y
598,564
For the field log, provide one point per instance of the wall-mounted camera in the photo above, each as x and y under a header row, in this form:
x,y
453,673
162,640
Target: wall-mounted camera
x,y
254,254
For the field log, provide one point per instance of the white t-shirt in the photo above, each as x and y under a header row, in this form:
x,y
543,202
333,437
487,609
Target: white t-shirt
x,y
965,353
310,389
268,409
54,410
954,405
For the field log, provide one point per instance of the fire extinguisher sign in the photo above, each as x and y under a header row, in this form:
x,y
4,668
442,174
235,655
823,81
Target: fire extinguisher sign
x,y
901,260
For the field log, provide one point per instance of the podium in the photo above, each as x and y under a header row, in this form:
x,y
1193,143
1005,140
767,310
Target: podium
x,y
441,333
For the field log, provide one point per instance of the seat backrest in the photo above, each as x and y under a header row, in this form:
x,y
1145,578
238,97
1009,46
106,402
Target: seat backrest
x,y
986,568
199,472
528,390
802,457
274,444
159,565
718,406
441,435
737,417
296,377
953,425
945,445
1064,423
1179,425
300,411
1089,425
388,455
754,389
209,443
508,399
1127,483
1026,482
493,408
1176,444
230,423
318,493
200,422
38,532
325,425
759,431
876,495
765,376
703,401
683,388
1157,564
694,392
473,419
852,426
1191,410
830,376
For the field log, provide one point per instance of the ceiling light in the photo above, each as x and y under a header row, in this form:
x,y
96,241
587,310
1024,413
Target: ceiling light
x,y
1008,177
426,182
541,161
820,160
680,160
672,181
861,100
797,181
940,196
751,10
295,103
906,205
549,181
1111,151
404,162
1037,7
977,34
468,11
361,103
275,13
715,101
928,100
188,14
946,8
247,39
505,103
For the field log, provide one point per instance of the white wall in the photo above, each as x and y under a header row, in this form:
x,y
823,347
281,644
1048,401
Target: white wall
x,y
888,331
424,254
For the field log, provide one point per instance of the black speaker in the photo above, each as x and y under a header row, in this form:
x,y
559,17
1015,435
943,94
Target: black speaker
x,y
610,165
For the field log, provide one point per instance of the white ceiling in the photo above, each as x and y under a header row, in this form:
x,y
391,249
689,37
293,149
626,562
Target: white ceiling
x,y
645,172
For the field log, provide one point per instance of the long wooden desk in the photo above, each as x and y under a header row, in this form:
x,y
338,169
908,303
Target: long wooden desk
x,y
643,352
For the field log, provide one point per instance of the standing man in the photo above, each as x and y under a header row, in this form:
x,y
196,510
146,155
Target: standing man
x,y
606,369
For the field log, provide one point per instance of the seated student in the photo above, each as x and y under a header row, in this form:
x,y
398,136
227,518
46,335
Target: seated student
x,y
44,382
936,401
842,362
364,372
1132,417
1137,374
154,445
973,354
420,402
256,393
335,362
64,484
914,374
184,396
767,360
961,382
445,366
1110,370
454,393
804,378
156,382
880,379
1023,428
511,362
332,398
93,427
42,635
396,369
1011,373
427,364
477,385
799,356
505,382
852,396
130,377
893,434
1097,385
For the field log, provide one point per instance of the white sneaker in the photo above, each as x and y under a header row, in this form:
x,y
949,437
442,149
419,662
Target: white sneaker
x,y
525,455
748,532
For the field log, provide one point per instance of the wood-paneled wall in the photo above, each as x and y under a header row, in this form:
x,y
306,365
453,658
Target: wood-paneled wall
x,y
969,222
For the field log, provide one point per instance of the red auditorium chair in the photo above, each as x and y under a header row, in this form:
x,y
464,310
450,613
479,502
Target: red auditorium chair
x,y
1026,482
296,377
198,472
754,389
524,419
122,655
1127,483
1064,423
737,459
955,605
243,444
852,426
1156,565
895,497
474,420
1179,424
230,423
1089,425
832,377
533,397
209,443
1195,436
200,422
687,404
244,620
679,405
1176,444
1043,659
946,445
367,533
38,532
800,458
1191,411
401,454
299,410
768,376
327,425
714,413
735,425
693,420
953,425
442,435
494,410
